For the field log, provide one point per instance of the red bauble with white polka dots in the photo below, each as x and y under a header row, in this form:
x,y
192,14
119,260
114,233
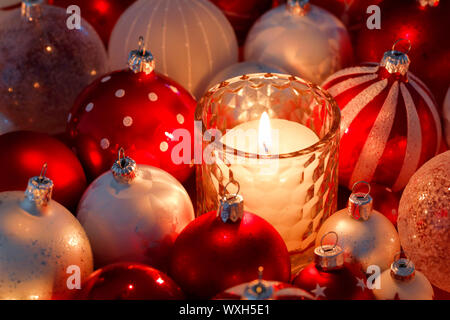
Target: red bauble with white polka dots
x,y
389,122
139,110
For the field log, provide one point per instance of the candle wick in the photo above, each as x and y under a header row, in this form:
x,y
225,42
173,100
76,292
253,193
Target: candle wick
x,y
265,148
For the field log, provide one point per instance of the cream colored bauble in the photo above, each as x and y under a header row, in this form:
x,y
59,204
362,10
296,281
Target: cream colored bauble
x,y
302,39
44,251
134,213
191,40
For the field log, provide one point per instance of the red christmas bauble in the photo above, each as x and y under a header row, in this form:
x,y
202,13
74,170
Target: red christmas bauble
x,y
210,256
242,14
25,152
144,112
424,25
389,122
101,14
129,281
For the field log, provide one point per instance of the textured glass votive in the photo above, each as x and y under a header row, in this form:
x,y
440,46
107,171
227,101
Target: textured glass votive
x,y
294,191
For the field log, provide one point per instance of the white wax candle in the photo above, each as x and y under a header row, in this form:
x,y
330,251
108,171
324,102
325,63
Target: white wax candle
x,y
275,189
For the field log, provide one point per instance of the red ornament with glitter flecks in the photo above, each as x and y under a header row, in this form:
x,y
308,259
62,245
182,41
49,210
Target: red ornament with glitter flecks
x,y
139,110
101,14
129,281
225,248
330,278
423,22
390,125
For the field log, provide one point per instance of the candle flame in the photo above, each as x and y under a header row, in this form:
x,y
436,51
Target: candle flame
x,y
265,133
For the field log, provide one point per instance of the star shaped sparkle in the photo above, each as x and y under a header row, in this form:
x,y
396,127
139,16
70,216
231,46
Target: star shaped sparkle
x,y
361,284
319,291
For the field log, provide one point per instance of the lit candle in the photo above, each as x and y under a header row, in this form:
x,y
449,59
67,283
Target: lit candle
x,y
270,185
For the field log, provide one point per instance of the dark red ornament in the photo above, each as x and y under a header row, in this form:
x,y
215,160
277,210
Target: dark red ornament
x,y
426,27
218,251
139,110
129,281
101,14
329,278
24,153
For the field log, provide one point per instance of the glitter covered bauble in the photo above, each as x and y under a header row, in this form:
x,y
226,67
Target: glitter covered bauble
x,y
224,248
45,253
301,39
101,14
366,236
26,152
146,113
403,282
239,69
134,213
129,281
390,125
424,223
191,40
330,278
425,24
44,65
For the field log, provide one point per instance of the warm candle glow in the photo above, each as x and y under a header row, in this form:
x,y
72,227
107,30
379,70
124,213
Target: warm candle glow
x,y
265,133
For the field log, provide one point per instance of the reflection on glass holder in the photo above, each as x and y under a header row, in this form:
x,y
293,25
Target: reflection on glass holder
x,y
294,191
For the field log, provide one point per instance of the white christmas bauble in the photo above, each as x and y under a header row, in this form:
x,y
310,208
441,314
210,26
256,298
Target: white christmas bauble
x,y
239,69
446,116
44,251
134,213
310,43
8,3
191,40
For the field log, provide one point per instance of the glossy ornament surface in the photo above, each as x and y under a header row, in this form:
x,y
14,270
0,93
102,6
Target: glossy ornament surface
x,y
44,65
403,282
390,124
425,24
134,213
129,281
424,223
40,243
366,236
138,109
24,154
101,14
446,117
224,248
304,41
191,40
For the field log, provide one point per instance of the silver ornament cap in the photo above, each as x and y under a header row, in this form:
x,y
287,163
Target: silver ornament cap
x,y
360,204
395,61
403,269
231,206
298,7
258,289
124,169
329,256
31,9
141,60
39,189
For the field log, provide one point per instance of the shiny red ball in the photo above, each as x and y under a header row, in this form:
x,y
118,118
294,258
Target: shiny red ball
x,y
425,28
346,283
23,155
138,112
101,14
129,281
210,256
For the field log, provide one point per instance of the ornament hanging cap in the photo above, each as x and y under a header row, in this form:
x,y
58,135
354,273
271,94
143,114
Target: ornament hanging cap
x,y
396,61
124,169
141,60
31,9
258,289
360,204
298,7
402,269
39,189
231,206
329,256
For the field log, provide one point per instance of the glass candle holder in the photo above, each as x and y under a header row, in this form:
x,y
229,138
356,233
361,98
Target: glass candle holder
x,y
295,191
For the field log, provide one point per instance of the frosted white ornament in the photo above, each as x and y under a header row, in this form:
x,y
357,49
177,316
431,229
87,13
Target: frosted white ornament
x,y
39,241
191,39
134,213
302,39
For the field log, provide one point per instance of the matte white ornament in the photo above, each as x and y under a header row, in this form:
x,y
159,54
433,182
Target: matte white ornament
x,y
190,39
304,41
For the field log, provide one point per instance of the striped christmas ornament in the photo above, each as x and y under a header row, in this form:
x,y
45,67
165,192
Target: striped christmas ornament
x,y
390,125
